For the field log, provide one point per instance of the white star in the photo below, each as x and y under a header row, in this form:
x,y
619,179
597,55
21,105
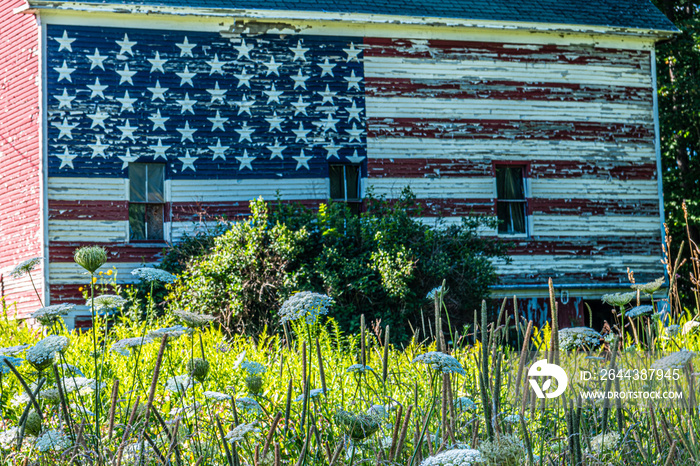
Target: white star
x,y
186,104
97,89
186,77
355,133
302,160
354,158
216,65
327,68
276,150
353,81
187,161
275,122
245,160
272,67
186,48
245,105
217,122
98,118
328,123
127,159
354,112
332,150
96,60
125,46
157,63
273,95
327,95
301,133
299,80
299,52
65,43
66,158
65,99
245,132
217,93
300,107
158,92
64,128
126,101
64,72
160,149
218,150
98,149
243,78
186,132
127,132
126,74
243,50
158,120
352,52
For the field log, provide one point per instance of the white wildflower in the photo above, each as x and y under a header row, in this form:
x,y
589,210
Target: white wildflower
x,y
671,331
464,403
179,383
605,442
239,432
579,337
150,274
677,360
71,369
216,396
50,395
50,314
171,332
8,438
248,405
378,411
25,267
359,368
4,368
107,302
639,311
253,368
442,362
305,304
513,418
20,399
44,352
618,299
54,440
651,287
312,394
79,384
122,346
438,291
459,457
690,327
193,320
12,350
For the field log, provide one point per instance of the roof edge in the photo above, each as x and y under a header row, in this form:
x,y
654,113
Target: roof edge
x,y
33,6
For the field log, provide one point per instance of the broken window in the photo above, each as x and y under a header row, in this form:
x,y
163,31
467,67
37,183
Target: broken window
x,y
146,201
345,185
511,205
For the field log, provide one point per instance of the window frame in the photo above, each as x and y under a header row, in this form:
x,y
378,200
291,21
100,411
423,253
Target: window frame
x,y
525,166
353,203
164,205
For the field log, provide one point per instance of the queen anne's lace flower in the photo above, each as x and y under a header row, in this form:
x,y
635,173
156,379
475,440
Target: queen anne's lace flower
x,y
618,299
513,418
442,362
651,287
122,346
150,274
43,353
4,368
8,438
171,332
437,291
192,319
50,395
671,331
605,442
359,368
677,360
82,384
239,432
216,396
253,368
459,457
305,304
106,302
54,440
504,450
313,393
359,426
20,399
50,314
179,383
25,267
464,403
579,337
248,405
639,311
690,327
11,350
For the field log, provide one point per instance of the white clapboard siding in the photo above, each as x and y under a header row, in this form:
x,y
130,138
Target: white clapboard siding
x,y
417,68
586,188
84,231
541,264
245,190
594,225
497,109
80,189
68,273
476,187
499,149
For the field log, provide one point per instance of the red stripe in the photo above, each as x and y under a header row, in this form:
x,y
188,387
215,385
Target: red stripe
x,y
508,129
646,208
599,246
64,294
503,90
88,210
187,211
60,251
472,50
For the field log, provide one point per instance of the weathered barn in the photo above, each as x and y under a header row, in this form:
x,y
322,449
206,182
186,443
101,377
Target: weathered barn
x,y
124,121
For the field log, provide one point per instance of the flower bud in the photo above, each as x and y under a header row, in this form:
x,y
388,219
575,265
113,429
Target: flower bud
x,y
254,384
90,258
32,424
198,369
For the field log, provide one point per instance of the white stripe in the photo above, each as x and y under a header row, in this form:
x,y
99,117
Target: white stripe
x,y
546,263
89,231
63,273
594,225
245,190
476,187
592,188
80,189
494,109
476,70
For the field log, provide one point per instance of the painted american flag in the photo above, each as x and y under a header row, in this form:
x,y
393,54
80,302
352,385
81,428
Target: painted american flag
x,y
211,106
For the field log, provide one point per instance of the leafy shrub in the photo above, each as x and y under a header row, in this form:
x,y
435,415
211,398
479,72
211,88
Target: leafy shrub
x,y
381,263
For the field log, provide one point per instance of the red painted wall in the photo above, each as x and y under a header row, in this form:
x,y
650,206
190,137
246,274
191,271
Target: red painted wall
x,y
20,194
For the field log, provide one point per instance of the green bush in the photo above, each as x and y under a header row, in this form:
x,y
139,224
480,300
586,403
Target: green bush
x,y
381,263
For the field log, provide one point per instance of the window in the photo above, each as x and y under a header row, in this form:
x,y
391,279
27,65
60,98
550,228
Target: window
x,y
345,185
146,201
510,202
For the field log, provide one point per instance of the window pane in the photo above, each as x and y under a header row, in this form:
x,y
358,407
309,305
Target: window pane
x,y
335,172
154,221
352,174
509,183
511,216
137,222
137,182
155,182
